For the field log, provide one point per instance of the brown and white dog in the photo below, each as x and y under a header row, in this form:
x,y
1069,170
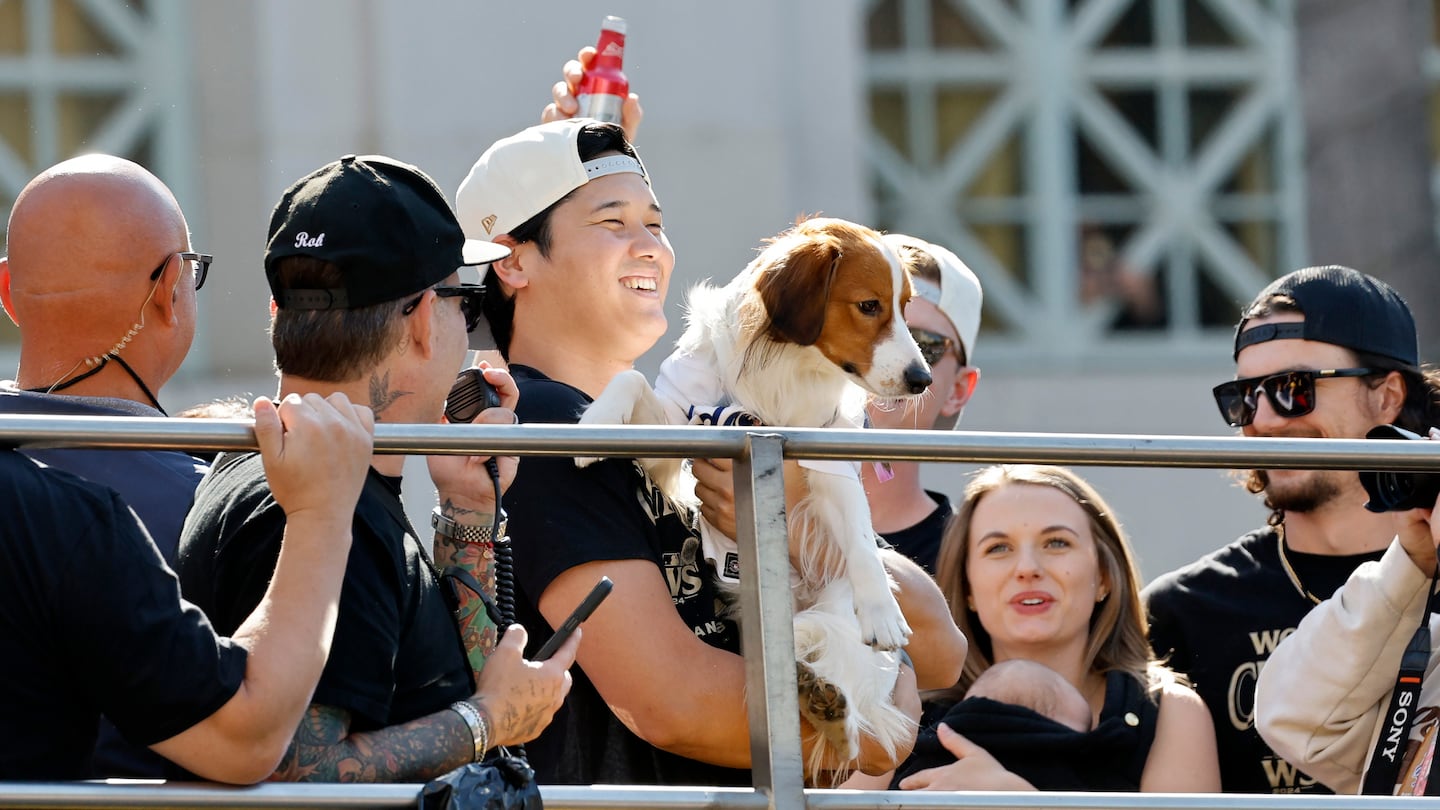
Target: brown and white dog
x,y
800,338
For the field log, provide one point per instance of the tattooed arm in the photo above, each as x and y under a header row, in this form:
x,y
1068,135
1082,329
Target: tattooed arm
x,y
467,496
518,698
477,630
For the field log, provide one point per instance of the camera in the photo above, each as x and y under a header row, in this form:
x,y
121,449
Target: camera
x,y
469,396
1398,491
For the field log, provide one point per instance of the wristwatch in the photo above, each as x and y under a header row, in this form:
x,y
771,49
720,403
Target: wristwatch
x,y
464,533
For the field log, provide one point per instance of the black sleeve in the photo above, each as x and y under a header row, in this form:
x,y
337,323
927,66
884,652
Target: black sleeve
x,y
156,665
1167,638
562,516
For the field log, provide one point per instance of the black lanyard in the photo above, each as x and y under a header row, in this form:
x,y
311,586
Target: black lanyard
x,y
1383,775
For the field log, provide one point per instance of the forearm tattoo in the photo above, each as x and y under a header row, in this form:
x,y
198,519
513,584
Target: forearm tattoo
x,y
478,632
323,750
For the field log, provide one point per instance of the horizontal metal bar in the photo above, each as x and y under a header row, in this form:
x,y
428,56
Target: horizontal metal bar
x,y
154,793
1093,449
607,797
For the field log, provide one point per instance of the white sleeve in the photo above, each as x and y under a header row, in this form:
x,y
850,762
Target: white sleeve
x,y
1320,696
684,382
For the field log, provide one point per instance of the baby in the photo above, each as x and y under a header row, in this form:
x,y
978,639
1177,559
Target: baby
x,y
1036,687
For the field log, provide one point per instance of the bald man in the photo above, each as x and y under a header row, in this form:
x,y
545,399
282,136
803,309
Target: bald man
x,y
99,278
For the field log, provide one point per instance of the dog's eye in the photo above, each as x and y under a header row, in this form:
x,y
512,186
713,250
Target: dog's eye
x,y
871,307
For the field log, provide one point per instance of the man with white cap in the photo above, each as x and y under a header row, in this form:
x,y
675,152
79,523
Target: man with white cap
x,y
944,319
660,695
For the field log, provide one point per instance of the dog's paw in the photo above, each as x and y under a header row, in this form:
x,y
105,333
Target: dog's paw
x,y
882,625
825,706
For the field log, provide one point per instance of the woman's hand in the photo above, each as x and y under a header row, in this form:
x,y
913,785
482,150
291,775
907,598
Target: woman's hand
x,y
973,769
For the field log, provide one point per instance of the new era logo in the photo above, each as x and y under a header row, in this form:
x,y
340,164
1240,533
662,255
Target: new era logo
x,y
304,240
488,222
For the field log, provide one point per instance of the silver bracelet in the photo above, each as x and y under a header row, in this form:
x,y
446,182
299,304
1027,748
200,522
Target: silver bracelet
x,y
479,727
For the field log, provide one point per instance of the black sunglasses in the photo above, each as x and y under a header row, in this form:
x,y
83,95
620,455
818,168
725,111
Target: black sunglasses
x,y
200,266
933,345
1291,393
471,297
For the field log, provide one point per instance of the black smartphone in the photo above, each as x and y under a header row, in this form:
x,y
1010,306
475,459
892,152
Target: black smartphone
x,y
469,396
587,606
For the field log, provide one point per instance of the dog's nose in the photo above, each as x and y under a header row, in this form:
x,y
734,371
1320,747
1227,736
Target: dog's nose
x,y
917,378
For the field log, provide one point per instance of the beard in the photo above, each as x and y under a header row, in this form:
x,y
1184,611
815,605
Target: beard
x,y
1306,494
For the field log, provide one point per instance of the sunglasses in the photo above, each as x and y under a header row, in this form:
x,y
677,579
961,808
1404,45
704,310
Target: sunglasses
x,y
1291,393
199,265
933,345
471,297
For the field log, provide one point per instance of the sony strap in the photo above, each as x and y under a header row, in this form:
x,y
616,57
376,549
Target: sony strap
x,y
1382,777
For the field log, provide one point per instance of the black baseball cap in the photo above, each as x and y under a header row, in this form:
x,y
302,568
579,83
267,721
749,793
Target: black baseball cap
x,y
384,223
1342,307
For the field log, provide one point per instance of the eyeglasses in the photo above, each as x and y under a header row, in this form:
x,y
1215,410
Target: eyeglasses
x,y
200,266
1291,393
471,297
933,345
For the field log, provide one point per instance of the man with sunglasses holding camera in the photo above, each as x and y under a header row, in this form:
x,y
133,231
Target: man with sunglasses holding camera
x,y
1323,352
944,319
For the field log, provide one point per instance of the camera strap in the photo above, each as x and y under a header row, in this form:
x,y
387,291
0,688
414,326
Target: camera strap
x,y
1383,774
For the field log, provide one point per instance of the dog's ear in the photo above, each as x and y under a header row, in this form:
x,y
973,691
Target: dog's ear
x,y
796,290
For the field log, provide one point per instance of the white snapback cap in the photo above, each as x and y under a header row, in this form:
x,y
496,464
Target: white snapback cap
x,y
522,175
958,295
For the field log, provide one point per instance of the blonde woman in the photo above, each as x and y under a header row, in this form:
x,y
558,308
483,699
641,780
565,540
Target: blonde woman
x,y
1036,567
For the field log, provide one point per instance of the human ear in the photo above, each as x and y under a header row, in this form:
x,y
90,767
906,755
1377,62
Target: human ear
x,y
5,289
961,391
511,269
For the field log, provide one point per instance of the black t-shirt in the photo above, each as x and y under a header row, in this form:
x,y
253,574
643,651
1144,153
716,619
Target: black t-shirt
x,y
1218,620
397,653
1051,756
562,516
921,542
157,484
91,621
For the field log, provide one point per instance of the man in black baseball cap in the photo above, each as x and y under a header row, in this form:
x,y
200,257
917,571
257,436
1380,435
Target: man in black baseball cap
x,y
363,261
1323,352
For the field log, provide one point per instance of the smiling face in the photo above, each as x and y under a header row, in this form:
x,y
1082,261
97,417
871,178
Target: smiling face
x,y
1033,572
601,290
1345,408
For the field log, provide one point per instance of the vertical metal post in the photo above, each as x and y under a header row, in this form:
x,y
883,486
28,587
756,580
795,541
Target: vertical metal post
x,y
767,628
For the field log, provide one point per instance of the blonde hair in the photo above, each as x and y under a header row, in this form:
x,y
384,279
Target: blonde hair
x,y
1118,627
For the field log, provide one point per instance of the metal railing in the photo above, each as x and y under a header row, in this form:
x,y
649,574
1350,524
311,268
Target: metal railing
x,y
768,640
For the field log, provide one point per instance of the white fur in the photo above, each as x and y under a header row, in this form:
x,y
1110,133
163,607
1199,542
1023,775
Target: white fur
x,y
847,621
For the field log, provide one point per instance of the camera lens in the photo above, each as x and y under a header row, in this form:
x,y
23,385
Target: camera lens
x,y
1397,491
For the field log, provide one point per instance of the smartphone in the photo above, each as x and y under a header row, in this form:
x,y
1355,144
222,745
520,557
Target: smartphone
x,y
587,606
469,396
